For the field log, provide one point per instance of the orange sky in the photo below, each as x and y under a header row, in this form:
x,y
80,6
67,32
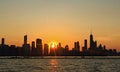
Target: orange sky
x,y
64,21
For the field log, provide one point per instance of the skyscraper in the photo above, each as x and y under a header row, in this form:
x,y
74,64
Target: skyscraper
x,y
3,41
46,49
91,41
25,39
33,44
85,46
93,44
59,45
39,46
76,49
33,49
77,46
94,50
67,47
26,47
66,50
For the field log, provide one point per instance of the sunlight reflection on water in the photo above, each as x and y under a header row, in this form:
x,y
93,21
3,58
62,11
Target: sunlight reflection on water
x,y
59,65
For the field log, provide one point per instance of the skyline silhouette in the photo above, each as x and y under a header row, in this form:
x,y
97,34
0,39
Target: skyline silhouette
x,y
39,49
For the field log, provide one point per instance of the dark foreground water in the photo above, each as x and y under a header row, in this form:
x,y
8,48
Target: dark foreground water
x,y
59,65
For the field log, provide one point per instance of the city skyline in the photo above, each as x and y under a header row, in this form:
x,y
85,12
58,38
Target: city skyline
x,y
64,21
83,43
36,48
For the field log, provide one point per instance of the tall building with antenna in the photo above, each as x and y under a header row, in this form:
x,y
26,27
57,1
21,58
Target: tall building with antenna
x,y
26,46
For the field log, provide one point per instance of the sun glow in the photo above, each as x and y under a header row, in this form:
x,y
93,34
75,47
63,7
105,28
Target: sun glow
x,y
53,44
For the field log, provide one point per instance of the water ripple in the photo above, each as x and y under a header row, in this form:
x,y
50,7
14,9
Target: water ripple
x,y
59,65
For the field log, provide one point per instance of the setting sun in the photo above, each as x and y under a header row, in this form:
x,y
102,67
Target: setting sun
x,y
52,44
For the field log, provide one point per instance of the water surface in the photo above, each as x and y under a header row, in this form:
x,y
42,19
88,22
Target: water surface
x,y
59,65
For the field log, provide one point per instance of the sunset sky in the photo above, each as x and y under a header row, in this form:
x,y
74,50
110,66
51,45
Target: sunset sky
x,y
64,21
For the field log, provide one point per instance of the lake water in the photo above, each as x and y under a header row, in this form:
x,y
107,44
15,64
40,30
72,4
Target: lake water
x,y
59,65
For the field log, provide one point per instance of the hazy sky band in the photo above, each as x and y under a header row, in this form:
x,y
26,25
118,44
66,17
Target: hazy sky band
x,y
63,21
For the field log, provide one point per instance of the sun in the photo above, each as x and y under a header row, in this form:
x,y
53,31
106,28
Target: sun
x,y
53,44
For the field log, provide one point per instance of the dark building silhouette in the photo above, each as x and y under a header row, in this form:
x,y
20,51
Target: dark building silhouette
x,y
3,41
33,50
59,50
26,47
25,39
76,49
12,50
4,49
93,45
91,42
59,45
66,52
104,47
39,47
77,46
33,45
84,49
46,49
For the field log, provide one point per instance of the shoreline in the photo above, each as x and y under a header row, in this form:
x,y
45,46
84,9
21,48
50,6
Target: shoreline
x,y
59,57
